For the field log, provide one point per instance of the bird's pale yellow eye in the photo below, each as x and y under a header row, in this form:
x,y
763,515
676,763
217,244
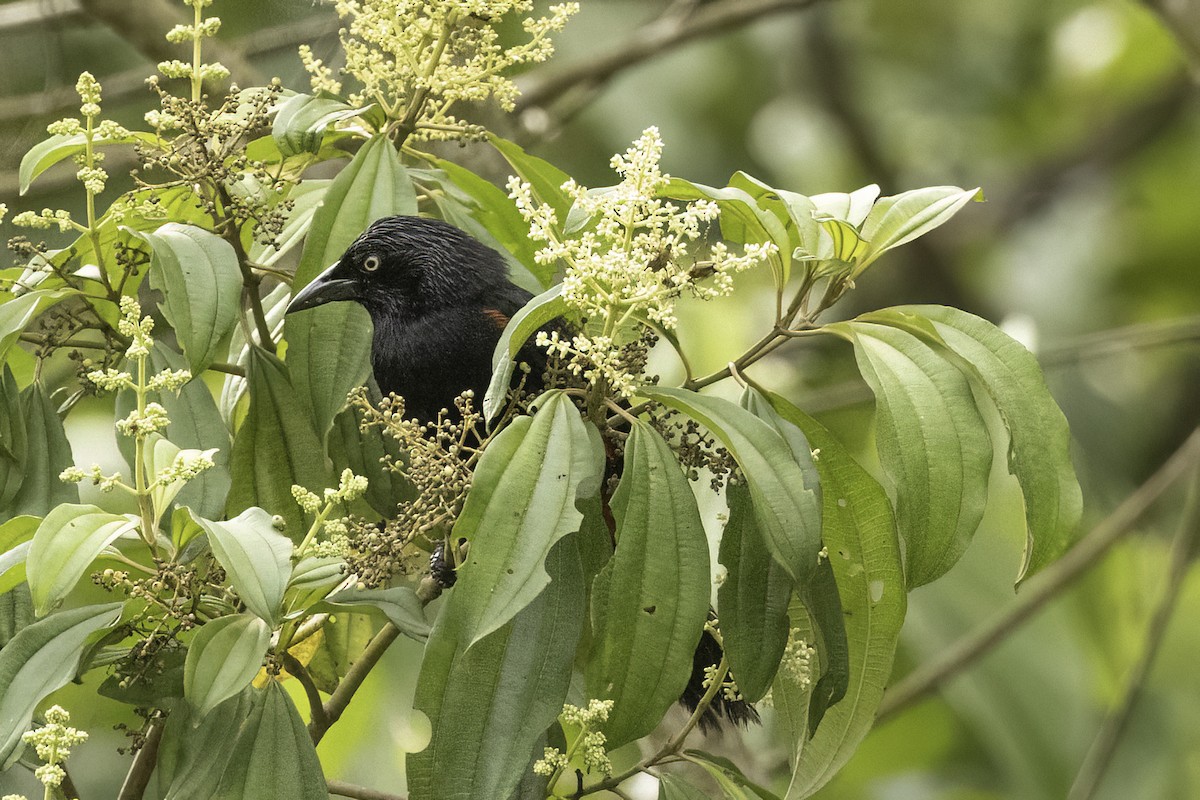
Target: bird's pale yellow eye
x,y
371,263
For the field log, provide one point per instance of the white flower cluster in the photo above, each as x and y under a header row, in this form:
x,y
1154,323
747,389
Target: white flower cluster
x,y
418,58
187,465
53,742
632,261
75,474
591,744
350,488
797,661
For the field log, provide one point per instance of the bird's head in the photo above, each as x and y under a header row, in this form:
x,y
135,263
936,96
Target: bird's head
x,y
406,266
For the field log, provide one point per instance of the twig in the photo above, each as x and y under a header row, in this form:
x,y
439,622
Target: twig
x,y
344,693
653,40
227,368
143,764
1042,589
342,789
297,670
1099,756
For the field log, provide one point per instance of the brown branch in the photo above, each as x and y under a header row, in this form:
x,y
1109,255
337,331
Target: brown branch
x,y
1043,588
342,789
143,765
1100,754
358,672
653,40
297,671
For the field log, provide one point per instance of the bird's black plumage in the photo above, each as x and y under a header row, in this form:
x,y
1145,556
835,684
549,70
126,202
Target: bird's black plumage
x,y
439,300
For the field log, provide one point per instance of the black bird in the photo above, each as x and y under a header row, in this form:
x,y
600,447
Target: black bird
x,y
439,299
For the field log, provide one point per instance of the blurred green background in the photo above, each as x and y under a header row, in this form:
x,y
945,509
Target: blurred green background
x,y
1078,118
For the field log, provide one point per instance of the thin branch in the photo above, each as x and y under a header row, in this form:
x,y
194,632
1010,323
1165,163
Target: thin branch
x,y
342,789
143,765
653,40
358,672
297,670
1043,588
1100,755
227,368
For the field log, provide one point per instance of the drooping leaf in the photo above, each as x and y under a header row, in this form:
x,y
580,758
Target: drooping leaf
x,y
40,659
329,346
537,312
48,453
302,120
160,679
733,782
932,441
274,756
786,507
673,787
490,703
650,602
522,501
222,659
399,604
1039,452
17,313
256,557
753,600
201,282
58,147
275,448
864,551
66,543
192,757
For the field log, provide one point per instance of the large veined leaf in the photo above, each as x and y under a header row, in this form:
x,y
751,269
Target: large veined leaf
x,y
256,557
40,659
15,535
860,534
222,659
537,312
192,757
16,612
820,596
302,120
306,198
650,602
47,454
198,274
67,541
522,502
932,441
752,602
274,305
1039,452
275,448
399,604
491,703
361,451
14,439
786,507
274,755
58,147
733,782
329,346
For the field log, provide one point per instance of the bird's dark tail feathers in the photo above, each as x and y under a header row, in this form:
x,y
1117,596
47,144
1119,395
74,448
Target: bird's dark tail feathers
x,y
708,654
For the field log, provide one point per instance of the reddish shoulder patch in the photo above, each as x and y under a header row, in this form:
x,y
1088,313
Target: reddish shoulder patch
x,y
499,318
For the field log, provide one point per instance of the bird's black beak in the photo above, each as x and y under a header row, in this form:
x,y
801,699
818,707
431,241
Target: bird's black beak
x,y
325,288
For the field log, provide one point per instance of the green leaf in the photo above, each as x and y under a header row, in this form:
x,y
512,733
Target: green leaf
x,y
18,312
1039,451
311,580
673,787
275,448
864,551
490,703
302,120
14,441
361,451
223,658
48,453
522,501
257,558
194,752
537,312
932,441
732,780
274,304
15,535
545,180
201,282
329,346
650,602
854,207
58,147
753,600
274,756
742,219
901,218
66,543
399,604
40,659
491,209
160,454
16,613
343,638
306,198
785,504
